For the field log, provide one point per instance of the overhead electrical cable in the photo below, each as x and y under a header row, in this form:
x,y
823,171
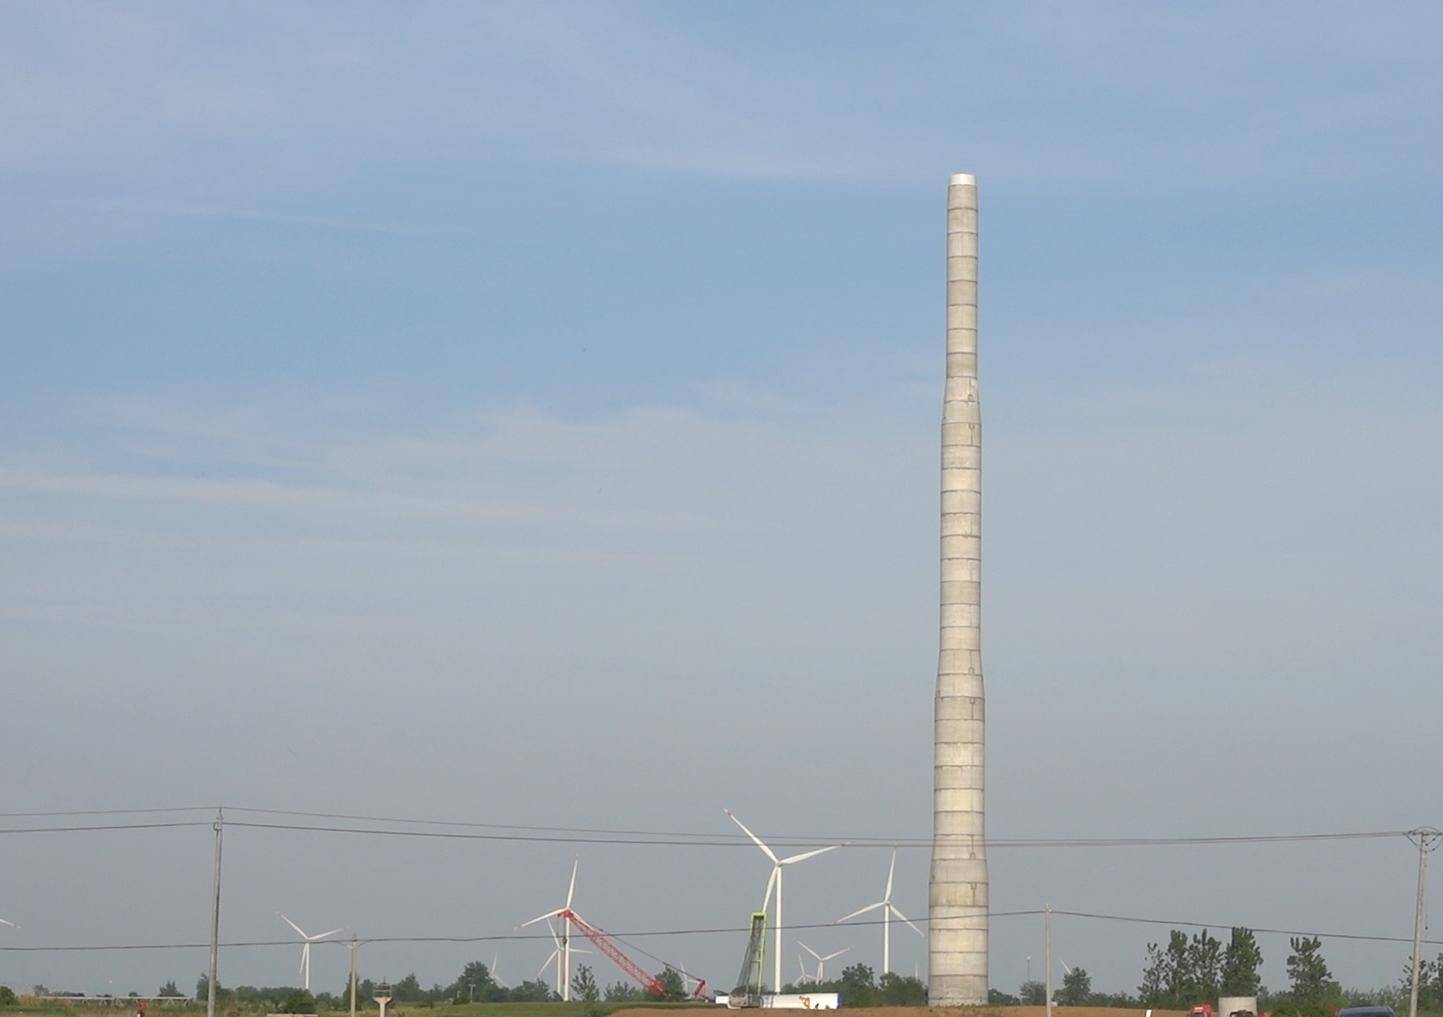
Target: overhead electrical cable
x,y
714,931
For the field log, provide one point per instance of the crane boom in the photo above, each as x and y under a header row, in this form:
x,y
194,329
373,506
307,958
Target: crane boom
x,y
648,981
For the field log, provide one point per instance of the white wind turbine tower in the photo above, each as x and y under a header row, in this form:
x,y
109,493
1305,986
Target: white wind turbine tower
x,y
555,955
888,910
776,880
306,941
563,945
689,981
821,960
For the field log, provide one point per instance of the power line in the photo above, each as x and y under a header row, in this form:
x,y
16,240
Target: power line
x,y
1361,937
714,931
105,812
603,835
507,937
95,827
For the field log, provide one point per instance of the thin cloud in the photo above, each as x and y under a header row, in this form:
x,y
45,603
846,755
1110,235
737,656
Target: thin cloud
x,y
299,497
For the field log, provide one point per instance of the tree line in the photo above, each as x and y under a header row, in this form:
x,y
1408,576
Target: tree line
x,y
475,984
1201,968
860,986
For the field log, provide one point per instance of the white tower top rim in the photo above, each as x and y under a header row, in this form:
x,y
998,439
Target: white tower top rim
x,y
963,179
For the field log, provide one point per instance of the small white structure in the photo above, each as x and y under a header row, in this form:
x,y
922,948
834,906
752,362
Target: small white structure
x,y
792,1000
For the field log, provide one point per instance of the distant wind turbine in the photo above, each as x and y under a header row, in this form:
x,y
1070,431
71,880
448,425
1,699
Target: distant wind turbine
x,y
821,960
555,955
776,880
496,963
306,941
888,910
563,944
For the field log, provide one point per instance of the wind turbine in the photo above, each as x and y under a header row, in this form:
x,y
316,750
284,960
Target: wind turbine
x,y
821,961
563,945
495,963
306,941
689,982
776,879
556,956
888,910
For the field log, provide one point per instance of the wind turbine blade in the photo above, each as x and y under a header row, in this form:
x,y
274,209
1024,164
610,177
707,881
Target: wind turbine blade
x,y
11,924
806,854
1065,968
542,918
890,871
293,925
547,963
803,968
305,956
571,890
839,953
897,911
772,882
862,911
755,839
323,935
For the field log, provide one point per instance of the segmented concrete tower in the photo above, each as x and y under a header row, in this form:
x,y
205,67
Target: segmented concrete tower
x,y
957,905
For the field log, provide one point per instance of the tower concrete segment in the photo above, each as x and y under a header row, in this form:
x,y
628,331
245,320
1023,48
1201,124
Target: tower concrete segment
x,y
957,902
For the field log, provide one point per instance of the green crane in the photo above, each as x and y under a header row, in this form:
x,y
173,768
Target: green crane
x,y
748,991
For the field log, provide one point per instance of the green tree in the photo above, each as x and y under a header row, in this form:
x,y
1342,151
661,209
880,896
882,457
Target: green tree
x,y
1241,961
901,990
1076,988
1204,968
1176,970
1033,993
535,991
1154,978
996,997
202,989
297,1001
474,983
618,992
7,996
859,985
1312,982
583,985
673,987
169,989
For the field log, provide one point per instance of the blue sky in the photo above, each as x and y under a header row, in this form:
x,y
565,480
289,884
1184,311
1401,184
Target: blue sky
x,y
551,385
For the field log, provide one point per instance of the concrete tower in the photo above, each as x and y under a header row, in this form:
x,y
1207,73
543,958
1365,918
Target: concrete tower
x,y
957,904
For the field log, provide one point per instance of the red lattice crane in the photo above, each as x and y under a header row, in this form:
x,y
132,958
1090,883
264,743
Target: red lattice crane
x,y
638,974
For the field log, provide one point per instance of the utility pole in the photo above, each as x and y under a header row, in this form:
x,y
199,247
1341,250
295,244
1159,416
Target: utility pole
x,y
1426,838
354,944
1047,956
214,922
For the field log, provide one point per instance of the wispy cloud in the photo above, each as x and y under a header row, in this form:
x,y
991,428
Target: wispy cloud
x,y
307,498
